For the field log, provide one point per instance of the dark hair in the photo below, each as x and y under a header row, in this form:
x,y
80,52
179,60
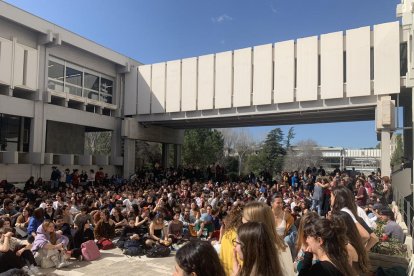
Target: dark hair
x,y
38,214
333,234
344,198
259,255
354,238
199,257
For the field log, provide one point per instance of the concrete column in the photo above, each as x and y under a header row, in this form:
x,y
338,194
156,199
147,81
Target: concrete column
x,y
129,157
385,153
38,129
116,142
165,151
177,155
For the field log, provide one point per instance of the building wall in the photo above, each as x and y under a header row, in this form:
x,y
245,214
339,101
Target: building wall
x,y
9,30
65,138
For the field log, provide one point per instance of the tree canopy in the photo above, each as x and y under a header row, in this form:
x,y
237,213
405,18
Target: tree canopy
x,y
202,147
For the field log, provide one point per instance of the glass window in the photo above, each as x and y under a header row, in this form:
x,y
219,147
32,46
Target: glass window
x,y
56,70
55,85
106,98
92,95
73,90
73,76
106,86
91,82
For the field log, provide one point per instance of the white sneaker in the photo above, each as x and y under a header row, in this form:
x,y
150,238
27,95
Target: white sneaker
x,y
62,264
35,270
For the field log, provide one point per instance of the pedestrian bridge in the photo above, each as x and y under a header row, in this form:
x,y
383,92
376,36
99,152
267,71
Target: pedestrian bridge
x,y
328,78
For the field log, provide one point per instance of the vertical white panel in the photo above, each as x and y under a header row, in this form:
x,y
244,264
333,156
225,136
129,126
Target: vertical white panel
x,y
358,77
284,72
189,84
242,77
262,75
18,65
144,89
173,88
6,48
205,82
31,70
307,69
332,67
223,81
387,58
158,88
130,96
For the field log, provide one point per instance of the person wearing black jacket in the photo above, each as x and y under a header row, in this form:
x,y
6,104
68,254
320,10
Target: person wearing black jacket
x,y
130,232
83,234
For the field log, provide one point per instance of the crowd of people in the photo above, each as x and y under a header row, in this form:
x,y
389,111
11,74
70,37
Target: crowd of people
x,y
296,223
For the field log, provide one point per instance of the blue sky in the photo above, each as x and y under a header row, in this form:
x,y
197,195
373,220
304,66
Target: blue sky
x,y
160,30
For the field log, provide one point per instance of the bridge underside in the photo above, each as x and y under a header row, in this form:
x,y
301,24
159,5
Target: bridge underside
x,y
293,118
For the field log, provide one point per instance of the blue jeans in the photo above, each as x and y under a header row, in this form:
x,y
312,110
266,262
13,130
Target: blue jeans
x,y
317,204
54,184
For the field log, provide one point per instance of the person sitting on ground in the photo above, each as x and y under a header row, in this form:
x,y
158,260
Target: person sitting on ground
x,y
157,231
252,247
15,253
188,222
119,220
391,229
105,228
8,210
82,217
49,247
175,229
83,234
22,221
197,258
49,211
130,232
63,229
35,221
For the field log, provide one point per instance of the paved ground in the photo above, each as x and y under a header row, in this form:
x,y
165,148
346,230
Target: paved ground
x,y
113,262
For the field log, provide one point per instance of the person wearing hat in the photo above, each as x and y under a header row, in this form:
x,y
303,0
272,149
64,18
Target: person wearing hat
x,y
391,229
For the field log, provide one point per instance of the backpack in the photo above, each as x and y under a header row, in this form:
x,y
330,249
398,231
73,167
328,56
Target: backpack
x,y
90,251
133,248
105,244
158,251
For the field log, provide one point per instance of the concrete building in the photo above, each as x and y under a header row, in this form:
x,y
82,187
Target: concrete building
x,y
56,86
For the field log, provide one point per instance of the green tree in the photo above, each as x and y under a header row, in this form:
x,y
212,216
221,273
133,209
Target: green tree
x,y
202,147
398,155
270,156
290,136
98,142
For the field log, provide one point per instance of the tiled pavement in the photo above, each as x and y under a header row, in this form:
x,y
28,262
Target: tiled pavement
x,y
113,262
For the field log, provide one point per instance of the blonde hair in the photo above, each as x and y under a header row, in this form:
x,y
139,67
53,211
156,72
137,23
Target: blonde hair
x,y
52,235
261,212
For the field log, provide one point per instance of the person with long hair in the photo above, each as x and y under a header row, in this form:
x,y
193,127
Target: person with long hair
x,y
105,228
254,247
342,199
35,221
82,234
197,258
326,241
261,212
301,241
49,247
228,233
358,256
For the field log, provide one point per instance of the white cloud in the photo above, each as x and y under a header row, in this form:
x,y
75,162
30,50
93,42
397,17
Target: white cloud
x,y
272,5
221,18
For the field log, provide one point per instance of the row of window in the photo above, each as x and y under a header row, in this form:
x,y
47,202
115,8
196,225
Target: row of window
x,y
72,79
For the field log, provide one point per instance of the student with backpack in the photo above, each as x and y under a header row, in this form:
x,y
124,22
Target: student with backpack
x,y
83,234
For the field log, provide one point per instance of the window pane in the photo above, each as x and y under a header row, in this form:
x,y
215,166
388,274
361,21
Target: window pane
x,y
56,70
91,82
106,86
92,95
55,85
73,90
73,76
106,98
